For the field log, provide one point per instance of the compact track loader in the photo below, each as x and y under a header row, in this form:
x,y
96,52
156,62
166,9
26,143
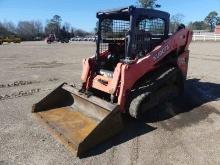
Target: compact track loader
x,y
137,66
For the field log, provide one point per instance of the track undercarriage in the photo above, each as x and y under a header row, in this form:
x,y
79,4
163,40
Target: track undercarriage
x,y
136,67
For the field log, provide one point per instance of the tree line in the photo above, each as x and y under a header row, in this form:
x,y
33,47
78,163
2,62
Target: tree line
x,y
209,22
34,30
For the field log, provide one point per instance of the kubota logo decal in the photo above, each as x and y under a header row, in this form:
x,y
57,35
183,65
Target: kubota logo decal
x,y
161,53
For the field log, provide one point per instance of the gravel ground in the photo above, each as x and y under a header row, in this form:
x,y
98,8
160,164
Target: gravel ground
x,y
186,132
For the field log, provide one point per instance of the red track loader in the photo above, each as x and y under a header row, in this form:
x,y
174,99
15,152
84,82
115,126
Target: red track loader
x,y
137,66
51,38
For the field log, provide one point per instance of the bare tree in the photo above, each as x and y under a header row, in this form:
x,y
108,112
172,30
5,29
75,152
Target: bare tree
x,y
27,29
10,26
80,33
148,4
67,26
198,25
38,27
175,21
3,30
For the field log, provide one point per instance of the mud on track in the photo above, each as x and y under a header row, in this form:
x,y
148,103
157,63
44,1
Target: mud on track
x,y
184,132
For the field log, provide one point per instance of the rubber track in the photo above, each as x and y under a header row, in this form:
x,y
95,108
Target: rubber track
x,y
150,91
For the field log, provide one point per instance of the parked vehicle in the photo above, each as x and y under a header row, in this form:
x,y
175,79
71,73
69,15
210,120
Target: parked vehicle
x,y
51,38
10,39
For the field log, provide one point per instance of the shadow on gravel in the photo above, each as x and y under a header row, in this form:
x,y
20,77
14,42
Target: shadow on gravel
x,y
196,94
194,100
133,128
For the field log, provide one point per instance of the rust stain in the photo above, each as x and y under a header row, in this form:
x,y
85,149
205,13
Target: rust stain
x,y
73,125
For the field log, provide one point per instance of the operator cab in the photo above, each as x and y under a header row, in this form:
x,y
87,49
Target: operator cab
x,y
129,33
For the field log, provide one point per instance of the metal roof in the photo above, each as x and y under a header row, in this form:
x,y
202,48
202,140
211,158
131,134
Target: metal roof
x,y
125,12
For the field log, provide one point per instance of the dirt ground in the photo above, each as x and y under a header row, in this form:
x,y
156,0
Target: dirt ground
x,y
187,132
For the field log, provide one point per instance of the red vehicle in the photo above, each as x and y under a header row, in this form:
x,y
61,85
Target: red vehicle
x,y
51,38
63,37
136,67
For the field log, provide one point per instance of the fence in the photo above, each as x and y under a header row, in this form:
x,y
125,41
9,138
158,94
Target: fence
x,y
206,37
